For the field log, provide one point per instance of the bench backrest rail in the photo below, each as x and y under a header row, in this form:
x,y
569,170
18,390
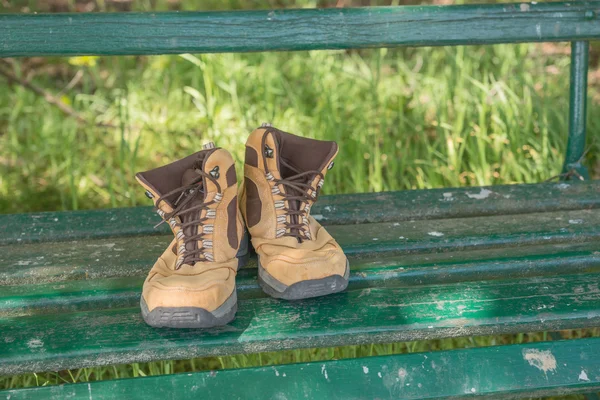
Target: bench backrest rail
x,y
318,29
577,111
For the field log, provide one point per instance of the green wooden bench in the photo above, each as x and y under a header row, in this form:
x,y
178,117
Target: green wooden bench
x,y
425,264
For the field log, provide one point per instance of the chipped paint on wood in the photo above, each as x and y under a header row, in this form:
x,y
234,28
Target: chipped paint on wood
x,y
457,373
542,360
483,194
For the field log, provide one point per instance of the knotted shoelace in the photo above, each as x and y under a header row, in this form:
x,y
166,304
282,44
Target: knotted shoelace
x,y
296,188
187,194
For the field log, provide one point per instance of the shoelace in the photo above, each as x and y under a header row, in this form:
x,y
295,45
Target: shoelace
x,y
188,194
296,189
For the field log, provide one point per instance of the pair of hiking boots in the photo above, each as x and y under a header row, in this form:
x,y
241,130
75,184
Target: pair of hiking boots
x,y
192,285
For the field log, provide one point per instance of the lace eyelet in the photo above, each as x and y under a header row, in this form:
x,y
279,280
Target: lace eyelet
x,y
268,152
215,172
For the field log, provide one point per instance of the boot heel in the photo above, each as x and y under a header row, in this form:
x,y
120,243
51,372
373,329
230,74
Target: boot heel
x,y
243,254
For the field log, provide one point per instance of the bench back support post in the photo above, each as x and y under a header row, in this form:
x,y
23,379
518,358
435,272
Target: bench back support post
x,y
577,111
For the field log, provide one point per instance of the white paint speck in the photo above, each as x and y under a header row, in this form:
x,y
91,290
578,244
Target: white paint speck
x,y
284,375
435,233
379,374
318,217
583,376
483,194
473,390
375,238
365,369
90,391
107,245
447,197
576,221
35,343
563,186
396,224
327,208
324,372
401,237
524,7
276,373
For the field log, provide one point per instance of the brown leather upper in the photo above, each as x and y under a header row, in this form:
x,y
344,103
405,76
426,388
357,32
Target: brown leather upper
x,y
285,257
207,283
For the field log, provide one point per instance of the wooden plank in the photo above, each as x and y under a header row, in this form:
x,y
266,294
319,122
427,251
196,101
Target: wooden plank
x,y
307,29
81,339
330,210
391,271
133,256
513,371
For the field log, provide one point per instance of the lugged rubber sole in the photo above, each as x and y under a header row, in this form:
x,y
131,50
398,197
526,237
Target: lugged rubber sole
x,y
302,290
190,317
196,317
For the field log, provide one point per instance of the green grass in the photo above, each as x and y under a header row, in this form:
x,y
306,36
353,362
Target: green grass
x,y
405,119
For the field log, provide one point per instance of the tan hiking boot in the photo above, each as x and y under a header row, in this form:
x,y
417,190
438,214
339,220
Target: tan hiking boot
x,y
283,174
192,285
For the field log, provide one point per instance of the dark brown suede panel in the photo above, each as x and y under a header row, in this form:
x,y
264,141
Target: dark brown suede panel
x,y
251,157
232,236
304,154
253,203
231,176
168,177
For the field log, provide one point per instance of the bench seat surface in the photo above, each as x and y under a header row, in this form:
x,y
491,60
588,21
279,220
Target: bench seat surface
x,y
425,264
516,371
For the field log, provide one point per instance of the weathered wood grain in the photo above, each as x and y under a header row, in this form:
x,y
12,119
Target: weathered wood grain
x,y
329,210
372,315
308,29
514,371
97,292
133,256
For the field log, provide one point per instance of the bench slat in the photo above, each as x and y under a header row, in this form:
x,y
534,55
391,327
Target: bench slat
x,y
71,340
307,29
527,370
125,292
133,256
330,210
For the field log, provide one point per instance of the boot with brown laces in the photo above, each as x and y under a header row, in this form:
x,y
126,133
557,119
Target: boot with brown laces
x,y
192,285
283,174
